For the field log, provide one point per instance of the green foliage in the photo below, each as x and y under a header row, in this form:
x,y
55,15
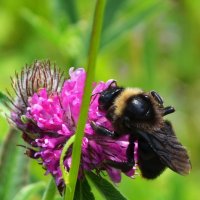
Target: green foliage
x,y
26,192
3,101
139,12
151,44
13,166
108,191
50,190
83,191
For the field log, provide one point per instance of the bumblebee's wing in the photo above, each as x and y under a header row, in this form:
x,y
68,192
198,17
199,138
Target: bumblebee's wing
x,y
170,151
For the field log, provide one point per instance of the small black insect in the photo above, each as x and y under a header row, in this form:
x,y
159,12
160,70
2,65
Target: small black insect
x,y
140,114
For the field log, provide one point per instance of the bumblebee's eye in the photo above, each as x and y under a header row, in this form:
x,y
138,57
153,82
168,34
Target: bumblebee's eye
x,y
139,108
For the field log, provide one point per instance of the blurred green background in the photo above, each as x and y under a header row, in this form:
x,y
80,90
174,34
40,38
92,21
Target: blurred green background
x,y
152,44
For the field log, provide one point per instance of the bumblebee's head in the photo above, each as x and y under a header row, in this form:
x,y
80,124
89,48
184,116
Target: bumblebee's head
x,y
108,96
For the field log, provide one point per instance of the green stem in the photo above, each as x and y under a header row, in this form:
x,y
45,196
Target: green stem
x,y
65,174
50,190
93,49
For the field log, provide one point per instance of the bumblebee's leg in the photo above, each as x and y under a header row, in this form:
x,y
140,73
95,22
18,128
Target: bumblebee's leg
x,y
126,165
168,110
130,150
123,166
157,97
103,131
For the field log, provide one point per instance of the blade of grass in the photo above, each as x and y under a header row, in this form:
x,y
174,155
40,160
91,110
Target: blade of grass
x,y
26,192
70,9
94,46
111,10
50,190
141,11
83,190
3,100
13,166
41,26
105,187
150,57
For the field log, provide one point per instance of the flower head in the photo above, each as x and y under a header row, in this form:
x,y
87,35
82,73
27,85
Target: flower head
x,y
29,82
51,111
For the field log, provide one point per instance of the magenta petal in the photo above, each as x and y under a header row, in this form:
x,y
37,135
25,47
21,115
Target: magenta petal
x,y
114,174
130,173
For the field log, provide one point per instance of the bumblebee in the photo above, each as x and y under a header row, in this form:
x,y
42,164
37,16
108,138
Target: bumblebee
x,y
140,115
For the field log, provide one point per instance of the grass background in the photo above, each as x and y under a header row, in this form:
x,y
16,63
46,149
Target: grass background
x,y
150,44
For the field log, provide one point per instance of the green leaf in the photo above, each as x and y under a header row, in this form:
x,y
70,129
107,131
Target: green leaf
x,y
83,190
140,11
3,97
150,56
58,198
69,6
111,10
105,187
50,190
26,192
42,26
13,166
3,109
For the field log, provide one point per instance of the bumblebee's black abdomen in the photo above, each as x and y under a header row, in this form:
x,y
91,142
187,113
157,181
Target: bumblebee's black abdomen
x,y
149,162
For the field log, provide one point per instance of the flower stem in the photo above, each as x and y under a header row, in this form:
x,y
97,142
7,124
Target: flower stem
x,y
93,49
65,174
50,190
